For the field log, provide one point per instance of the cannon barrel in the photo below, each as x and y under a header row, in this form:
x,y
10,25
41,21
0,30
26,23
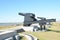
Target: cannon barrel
x,y
22,14
51,20
41,18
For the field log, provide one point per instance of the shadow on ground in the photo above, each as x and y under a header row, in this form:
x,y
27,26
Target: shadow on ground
x,y
54,30
21,37
20,30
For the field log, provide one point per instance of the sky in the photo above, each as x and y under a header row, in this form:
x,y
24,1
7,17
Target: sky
x,y
9,9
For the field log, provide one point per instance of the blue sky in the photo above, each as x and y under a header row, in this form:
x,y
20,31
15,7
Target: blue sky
x,y
9,9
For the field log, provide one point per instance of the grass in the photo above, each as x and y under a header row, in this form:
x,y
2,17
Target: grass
x,y
22,37
6,27
52,34
45,35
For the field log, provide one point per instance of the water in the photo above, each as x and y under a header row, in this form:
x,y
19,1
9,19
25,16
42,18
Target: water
x,y
7,24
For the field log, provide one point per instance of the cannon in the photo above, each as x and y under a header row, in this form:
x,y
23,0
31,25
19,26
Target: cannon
x,y
29,18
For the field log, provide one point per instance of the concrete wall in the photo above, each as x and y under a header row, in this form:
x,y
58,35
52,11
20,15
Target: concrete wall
x,y
28,28
7,34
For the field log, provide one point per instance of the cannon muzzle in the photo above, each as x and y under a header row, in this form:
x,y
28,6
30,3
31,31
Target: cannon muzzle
x,y
22,14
